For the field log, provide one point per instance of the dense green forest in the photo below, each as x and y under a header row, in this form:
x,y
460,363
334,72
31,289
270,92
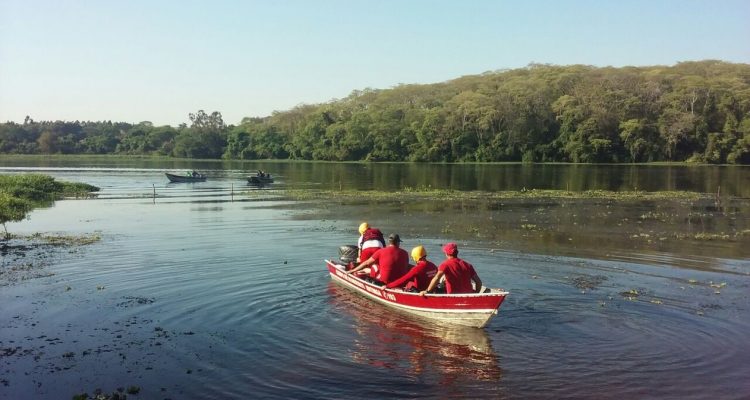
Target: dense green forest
x,y
692,111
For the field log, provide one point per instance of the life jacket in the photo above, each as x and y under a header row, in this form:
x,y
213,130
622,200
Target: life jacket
x,y
373,234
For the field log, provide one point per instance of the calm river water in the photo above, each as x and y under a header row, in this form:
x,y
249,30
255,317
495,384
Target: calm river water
x,y
218,290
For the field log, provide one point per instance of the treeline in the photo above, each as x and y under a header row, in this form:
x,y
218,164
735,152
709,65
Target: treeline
x,y
693,111
206,137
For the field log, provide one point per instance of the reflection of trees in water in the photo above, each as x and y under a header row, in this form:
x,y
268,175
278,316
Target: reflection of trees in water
x,y
501,177
416,347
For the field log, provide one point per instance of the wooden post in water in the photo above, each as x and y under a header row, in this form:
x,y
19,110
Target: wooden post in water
x,y
718,197
232,193
154,186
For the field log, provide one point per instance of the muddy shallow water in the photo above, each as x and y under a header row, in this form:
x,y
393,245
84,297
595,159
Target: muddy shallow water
x,y
203,293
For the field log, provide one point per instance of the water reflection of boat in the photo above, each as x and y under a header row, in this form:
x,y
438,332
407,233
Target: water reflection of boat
x,y
194,177
419,346
471,309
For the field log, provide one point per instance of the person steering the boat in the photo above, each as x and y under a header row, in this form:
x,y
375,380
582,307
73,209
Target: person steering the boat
x,y
419,276
370,240
458,273
388,263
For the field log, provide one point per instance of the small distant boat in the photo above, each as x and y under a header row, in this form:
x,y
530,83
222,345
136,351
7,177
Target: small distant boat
x,y
259,179
195,177
469,309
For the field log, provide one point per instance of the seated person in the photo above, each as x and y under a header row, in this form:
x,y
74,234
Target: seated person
x,y
370,241
419,276
388,263
458,274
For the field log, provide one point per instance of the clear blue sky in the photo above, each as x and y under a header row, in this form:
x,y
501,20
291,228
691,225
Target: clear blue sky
x,y
158,60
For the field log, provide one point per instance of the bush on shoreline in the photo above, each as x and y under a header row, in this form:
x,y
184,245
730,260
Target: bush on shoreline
x,y
19,194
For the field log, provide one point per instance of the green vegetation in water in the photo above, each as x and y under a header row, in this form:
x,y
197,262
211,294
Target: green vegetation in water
x,y
63,240
712,236
101,395
19,194
605,224
38,188
588,282
409,193
26,257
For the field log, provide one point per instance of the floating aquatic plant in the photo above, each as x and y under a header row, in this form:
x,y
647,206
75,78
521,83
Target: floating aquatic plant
x,y
712,236
421,192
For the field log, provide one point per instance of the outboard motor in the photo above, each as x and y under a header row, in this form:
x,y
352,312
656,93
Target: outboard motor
x,y
348,254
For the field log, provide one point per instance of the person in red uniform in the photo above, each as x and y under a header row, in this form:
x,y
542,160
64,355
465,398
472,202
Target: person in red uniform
x,y
388,263
458,274
419,276
370,241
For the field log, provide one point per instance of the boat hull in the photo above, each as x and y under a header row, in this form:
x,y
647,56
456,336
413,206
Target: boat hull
x,y
185,178
471,309
259,180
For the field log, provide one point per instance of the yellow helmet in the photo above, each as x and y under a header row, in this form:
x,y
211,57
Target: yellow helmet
x,y
417,253
363,227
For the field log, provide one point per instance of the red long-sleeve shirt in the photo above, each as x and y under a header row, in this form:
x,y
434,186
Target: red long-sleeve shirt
x,y
420,275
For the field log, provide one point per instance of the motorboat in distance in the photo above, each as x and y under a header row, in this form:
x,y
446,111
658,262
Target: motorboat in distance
x,y
260,178
190,177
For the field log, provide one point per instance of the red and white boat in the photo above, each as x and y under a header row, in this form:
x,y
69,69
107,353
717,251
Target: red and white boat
x,y
470,309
